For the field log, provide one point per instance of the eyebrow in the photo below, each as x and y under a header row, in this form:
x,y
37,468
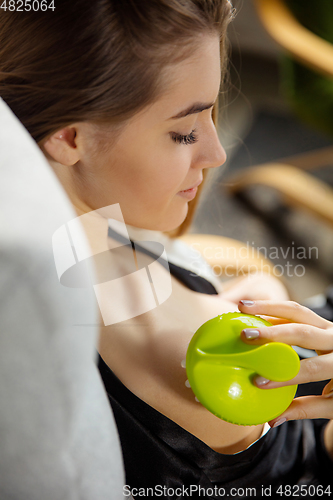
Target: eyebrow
x,y
194,108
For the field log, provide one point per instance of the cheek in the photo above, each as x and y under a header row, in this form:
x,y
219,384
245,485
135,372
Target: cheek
x,y
169,168
149,173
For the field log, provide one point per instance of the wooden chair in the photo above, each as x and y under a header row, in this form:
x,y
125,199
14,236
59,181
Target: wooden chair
x,y
291,176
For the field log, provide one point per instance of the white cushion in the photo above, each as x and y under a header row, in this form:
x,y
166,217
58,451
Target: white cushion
x,y
58,438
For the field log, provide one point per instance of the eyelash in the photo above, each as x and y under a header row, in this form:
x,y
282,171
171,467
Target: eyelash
x,y
188,139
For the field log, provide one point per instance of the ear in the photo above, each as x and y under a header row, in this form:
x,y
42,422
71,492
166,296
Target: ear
x,y
62,147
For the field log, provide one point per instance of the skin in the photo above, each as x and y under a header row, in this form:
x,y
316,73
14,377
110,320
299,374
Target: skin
x,y
144,170
297,325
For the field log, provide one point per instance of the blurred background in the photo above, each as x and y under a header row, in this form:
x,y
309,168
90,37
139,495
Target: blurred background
x,y
259,125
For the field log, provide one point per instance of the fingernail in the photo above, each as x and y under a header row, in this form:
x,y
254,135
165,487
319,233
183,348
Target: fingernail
x,y
251,333
246,302
280,421
261,381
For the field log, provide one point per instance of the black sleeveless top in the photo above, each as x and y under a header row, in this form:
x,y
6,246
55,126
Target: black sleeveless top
x,y
172,463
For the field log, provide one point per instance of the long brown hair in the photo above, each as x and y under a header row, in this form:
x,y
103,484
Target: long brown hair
x,y
99,61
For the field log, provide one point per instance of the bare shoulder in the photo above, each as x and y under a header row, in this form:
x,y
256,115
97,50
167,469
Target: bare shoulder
x,y
146,354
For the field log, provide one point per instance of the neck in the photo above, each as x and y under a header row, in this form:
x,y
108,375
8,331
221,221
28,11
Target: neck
x,y
70,185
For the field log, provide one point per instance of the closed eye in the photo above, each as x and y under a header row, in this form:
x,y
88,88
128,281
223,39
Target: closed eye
x,y
190,138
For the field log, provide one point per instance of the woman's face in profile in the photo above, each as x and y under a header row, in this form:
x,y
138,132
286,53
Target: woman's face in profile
x,y
156,162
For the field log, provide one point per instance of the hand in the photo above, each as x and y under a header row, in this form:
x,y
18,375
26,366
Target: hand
x,y
303,328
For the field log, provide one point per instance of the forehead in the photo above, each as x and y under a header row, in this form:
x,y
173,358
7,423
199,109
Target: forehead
x,y
196,79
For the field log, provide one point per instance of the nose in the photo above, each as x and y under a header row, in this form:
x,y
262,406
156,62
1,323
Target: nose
x,y
211,153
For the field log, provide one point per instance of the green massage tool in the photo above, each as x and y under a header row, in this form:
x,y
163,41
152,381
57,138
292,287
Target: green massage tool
x,y
220,368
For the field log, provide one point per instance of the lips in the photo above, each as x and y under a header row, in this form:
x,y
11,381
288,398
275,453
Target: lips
x,y
192,187
190,192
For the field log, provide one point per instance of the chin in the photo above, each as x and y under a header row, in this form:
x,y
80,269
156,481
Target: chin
x,y
173,222
163,224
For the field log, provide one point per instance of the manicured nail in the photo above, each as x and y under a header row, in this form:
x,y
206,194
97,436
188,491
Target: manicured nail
x,y
251,333
280,421
246,302
261,381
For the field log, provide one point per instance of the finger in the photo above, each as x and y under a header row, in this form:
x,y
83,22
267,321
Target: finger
x,y
275,321
288,310
303,335
312,370
306,407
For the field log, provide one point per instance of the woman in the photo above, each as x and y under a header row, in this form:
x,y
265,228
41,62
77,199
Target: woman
x,y
119,96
